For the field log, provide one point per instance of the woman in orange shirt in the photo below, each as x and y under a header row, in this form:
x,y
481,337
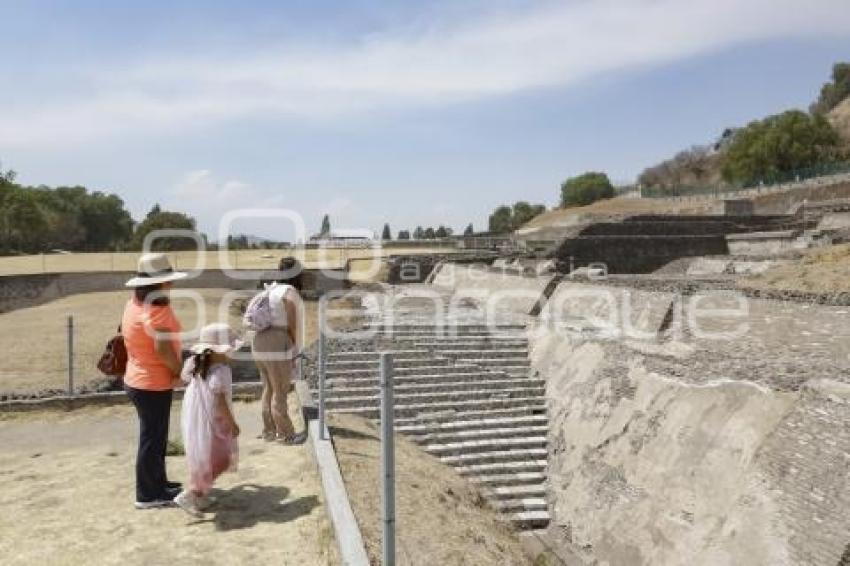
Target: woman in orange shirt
x,y
151,334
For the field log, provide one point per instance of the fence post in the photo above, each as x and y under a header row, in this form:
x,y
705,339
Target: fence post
x,y
387,459
70,355
322,365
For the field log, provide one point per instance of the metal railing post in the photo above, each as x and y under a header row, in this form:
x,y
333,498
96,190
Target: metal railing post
x,y
322,365
70,355
387,459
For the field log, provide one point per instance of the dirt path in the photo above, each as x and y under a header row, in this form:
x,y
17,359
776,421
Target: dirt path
x,y
66,490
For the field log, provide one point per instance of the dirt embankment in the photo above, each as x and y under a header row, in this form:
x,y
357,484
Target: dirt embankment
x,y
822,270
440,518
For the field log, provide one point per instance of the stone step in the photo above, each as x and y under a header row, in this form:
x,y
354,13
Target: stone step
x,y
434,385
477,407
403,399
421,370
501,493
487,445
430,417
521,504
499,362
478,471
455,425
527,520
461,343
495,456
475,349
406,338
518,478
470,374
374,354
399,364
481,434
447,327
511,353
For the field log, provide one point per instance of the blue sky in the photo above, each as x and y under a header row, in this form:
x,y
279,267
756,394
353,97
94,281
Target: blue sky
x,y
373,111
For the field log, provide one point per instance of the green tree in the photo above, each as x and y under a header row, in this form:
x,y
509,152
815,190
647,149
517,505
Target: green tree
x,y
443,231
586,189
501,221
106,222
524,212
404,234
767,149
26,223
835,91
386,234
165,220
469,230
429,233
326,226
419,233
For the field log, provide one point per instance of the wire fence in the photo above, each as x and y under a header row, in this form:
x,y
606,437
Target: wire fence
x,y
780,180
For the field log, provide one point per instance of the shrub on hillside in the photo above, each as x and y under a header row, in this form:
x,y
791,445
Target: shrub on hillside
x,y
767,149
835,91
697,166
507,219
586,189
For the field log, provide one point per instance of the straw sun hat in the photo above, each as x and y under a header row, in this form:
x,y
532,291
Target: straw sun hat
x,y
217,337
154,268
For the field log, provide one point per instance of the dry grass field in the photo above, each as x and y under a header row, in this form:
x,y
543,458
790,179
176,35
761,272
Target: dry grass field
x,y
824,270
620,206
241,259
35,339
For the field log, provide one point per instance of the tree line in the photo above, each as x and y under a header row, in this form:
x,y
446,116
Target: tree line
x,y
775,148
43,219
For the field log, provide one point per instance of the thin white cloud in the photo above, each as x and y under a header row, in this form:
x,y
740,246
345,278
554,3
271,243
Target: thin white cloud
x,y
209,198
546,46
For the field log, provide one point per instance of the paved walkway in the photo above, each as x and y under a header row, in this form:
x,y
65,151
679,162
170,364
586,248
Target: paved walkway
x,y
66,490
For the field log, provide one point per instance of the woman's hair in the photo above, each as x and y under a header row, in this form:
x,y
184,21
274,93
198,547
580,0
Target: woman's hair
x,y
202,364
142,293
291,264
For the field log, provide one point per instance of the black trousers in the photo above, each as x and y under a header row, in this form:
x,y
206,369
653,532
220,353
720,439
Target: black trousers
x,y
154,410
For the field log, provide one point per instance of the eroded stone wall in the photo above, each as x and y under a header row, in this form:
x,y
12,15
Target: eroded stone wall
x,y
648,466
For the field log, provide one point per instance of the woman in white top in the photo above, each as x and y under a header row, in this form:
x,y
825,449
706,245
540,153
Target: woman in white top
x,y
275,350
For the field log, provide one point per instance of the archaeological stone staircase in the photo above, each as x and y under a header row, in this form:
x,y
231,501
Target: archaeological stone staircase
x,y
466,394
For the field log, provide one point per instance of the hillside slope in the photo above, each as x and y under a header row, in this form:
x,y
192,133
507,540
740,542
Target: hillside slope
x,y
839,117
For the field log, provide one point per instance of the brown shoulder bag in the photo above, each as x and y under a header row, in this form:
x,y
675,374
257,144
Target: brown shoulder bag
x,y
113,362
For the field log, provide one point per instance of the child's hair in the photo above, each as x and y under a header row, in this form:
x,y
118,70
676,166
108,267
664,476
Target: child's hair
x,y
202,364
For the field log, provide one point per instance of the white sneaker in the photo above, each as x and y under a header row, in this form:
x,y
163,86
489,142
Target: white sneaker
x,y
154,504
188,502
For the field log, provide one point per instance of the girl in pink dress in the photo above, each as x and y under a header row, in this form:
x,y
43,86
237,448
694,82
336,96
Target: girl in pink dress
x,y
209,428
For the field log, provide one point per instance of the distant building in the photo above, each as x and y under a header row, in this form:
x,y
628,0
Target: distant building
x,y
345,238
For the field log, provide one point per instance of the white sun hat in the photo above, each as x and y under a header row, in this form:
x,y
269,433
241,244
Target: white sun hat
x,y
154,268
218,337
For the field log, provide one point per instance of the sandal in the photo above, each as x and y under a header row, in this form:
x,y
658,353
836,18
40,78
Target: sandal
x,y
293,439
267,436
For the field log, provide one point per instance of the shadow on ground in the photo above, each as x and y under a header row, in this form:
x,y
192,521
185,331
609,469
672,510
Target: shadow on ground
x,y
244,506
